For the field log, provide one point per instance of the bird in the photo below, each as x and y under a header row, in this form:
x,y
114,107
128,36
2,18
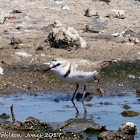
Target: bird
x,y
76,71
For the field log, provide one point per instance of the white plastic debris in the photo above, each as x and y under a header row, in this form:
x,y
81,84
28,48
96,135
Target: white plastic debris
x,y
1,71
23,54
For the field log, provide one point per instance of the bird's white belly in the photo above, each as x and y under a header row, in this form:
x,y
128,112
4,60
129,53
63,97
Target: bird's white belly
x,y
77,76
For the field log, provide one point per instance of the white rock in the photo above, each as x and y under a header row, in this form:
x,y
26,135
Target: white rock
x,y
116,34
91,12
40,55
1,71
82,42
2,16
136,40
59,2
120,14
57,24
65,8
23,54
63,33
130,124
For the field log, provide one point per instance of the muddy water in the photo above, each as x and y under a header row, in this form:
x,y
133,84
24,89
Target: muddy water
x,y
56,108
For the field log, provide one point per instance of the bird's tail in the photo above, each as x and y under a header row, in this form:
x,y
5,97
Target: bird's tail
x,y
103,64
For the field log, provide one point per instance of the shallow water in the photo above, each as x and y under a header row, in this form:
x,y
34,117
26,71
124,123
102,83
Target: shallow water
x,y
56,108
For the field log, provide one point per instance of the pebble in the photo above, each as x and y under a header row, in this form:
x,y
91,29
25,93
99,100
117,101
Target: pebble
x,y
1,71
65,8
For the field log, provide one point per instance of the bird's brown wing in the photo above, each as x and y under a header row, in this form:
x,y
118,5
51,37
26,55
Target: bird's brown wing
x,y
84,65
88,66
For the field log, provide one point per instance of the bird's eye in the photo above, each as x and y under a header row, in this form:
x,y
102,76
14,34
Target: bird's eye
x,y
53,59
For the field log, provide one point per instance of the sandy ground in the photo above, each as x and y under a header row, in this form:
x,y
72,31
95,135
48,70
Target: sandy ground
x,y
29,25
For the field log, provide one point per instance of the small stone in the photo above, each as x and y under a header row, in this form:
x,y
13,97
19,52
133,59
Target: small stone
x,y
17,11
91,29
19,27
15,41
138,91
98,92
39,48
4,116
90,13
129,114
57,100
126,107
3,16
120,14
65,8
106,1
1,71
105,103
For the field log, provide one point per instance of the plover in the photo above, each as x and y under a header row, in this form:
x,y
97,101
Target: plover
x,y
76,71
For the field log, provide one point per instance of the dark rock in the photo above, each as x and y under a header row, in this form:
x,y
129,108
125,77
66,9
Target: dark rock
x,y
110,135
96,25
17,11
105,103
98,92
129,113
19,27
90,13
88,96
79,125
15,41
57,100
91,29
89,105
4,116
125,132
106,1
128,128
126,107
138,91
94,131
40,48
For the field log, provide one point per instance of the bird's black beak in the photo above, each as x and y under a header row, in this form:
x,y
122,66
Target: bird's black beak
x,y
49,68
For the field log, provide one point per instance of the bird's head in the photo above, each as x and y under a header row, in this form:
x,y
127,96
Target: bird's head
x,y
56,63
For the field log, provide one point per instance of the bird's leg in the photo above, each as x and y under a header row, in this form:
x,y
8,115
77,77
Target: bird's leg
x,y
85,111
77,86
96,78
85,88
77,111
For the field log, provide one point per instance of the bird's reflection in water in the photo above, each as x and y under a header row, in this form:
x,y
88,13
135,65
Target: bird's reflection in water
x,y
88,97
